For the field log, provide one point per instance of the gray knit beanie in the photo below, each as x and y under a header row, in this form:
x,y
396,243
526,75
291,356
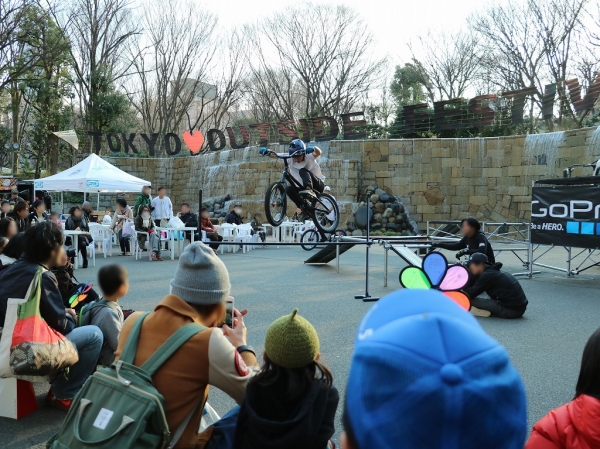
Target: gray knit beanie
x,y
201,277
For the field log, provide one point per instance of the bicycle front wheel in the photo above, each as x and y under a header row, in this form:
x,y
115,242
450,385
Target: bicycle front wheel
x,y
325,219
309,239
275,203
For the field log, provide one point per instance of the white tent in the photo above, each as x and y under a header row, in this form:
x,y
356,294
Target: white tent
x,y
92,175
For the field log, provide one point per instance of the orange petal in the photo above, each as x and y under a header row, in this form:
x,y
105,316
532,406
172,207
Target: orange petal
x,y
459,298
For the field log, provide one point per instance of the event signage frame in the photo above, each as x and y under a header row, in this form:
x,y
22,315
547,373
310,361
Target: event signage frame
x,y
566,215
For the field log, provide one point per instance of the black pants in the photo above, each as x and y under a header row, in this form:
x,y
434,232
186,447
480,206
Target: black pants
x,y
83,242
214,238
308,180
496,308
124,242
261,234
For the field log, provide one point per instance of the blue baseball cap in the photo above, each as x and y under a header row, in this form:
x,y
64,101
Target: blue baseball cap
x,y
424,374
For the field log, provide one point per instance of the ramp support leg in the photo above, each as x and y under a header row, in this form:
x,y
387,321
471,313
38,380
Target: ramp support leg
x,y
385,266
337,256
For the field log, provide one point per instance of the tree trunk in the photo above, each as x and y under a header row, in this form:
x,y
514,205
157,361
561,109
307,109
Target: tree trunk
x,y
53,153
15,110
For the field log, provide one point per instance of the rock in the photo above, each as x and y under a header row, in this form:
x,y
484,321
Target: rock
x,y
362,217
379,208
223,214
374,198
395,207
383,221
401,208
361,204
377,218
392,220
405,233
351,227
357,233
208,203
385,198
392,226
402,217
380,192
227,198
211,209
388,213
371,188
211,214
375,226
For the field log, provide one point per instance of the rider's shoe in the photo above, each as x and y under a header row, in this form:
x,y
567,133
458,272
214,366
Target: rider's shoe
x,y
307,192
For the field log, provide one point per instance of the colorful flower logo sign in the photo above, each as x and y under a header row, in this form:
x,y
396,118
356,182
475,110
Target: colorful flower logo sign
x,y
438,275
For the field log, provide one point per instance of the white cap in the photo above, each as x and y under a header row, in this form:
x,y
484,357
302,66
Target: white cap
x,y
327,188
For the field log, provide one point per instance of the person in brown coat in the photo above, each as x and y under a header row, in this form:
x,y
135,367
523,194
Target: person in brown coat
x,y
215,356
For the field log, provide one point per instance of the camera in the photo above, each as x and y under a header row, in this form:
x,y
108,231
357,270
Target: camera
x,y
71,253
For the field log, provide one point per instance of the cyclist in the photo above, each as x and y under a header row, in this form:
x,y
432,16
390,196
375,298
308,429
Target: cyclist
x,y
306,171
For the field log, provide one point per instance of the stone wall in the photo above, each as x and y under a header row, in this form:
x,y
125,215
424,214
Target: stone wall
x,y
438,179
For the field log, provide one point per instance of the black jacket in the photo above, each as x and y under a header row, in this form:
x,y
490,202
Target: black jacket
x,y
72,223
477,244
501,286
52,309
22,223
190,220
267,422
233,218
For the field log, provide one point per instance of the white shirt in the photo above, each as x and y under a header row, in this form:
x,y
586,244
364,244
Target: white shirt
x,y
310,163
331,215
163,209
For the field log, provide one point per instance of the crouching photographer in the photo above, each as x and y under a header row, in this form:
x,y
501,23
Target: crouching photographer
x,y
69,286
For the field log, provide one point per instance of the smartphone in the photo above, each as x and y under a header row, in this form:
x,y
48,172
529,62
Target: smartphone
x,y
229,313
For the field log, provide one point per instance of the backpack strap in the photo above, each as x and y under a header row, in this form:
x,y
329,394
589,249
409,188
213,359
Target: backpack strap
x,y
131,344
169,347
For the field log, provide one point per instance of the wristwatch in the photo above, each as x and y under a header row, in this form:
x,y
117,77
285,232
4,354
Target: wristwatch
x,y
246,348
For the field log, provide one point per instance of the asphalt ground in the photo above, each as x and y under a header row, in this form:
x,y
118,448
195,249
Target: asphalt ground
x,y
545,345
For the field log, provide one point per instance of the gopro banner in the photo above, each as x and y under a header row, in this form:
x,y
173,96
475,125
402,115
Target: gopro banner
x,y
566,216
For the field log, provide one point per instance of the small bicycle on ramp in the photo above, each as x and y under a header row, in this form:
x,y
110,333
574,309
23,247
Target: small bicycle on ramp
x,y
317,205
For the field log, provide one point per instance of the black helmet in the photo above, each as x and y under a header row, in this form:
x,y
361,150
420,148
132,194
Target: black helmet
x,y
296,145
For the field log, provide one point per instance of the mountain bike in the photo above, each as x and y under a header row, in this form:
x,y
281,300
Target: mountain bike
x,y
310,238
316,205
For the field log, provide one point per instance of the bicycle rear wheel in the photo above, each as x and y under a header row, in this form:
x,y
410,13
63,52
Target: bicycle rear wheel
x,y
309,239
320,210
275,203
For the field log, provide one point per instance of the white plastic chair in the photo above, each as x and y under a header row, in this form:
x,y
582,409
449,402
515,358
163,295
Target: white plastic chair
x,y
229,233
244,235
137,249
103,237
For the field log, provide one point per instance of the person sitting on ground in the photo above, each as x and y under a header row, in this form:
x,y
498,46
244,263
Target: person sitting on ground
x,y
122,214
474,241
207,226
77,221
39,212
107,219
306,171
86,208
55,218
575,425
199,291
8,228
143,199
20,213
235,216
44,248
143,223
69,285
106,312
4,208
188,218
257,227
424,374
291,402
506,296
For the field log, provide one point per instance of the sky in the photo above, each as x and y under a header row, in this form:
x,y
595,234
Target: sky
x,y
393,22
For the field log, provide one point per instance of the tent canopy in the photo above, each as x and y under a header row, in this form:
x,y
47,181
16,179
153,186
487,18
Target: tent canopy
x,y
92,175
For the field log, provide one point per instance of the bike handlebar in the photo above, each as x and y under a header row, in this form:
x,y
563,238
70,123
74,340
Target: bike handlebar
x,y
266,152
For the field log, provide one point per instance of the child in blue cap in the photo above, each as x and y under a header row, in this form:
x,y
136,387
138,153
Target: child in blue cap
x,y
424,374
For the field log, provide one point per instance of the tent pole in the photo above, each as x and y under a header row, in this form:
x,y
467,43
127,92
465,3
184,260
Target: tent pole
x,y
98,203
62,203
84,196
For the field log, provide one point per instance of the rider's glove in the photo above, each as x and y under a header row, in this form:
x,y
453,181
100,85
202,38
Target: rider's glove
x,y
263,151
461,253
309,150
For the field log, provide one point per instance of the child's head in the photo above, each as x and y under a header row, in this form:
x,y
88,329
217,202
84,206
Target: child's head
x,y
589,374
54,216
113,281
108,211
3,242
204,212
292,356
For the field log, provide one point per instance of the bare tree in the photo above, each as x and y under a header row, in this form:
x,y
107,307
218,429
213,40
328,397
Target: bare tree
x,y
171,87
323,62
99,31
13,41
446,64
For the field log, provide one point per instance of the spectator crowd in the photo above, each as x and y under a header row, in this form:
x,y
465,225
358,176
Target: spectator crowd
x,y
423,374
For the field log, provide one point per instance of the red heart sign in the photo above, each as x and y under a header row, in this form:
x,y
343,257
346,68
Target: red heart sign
x,y
193,140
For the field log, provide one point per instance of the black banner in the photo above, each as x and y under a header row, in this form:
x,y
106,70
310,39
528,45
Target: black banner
x,y
566,216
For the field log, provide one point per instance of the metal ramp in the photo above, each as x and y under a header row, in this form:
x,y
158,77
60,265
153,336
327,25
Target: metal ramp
x,y
327,254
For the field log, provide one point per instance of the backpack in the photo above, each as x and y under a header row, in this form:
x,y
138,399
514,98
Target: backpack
x,y
119,407
87,311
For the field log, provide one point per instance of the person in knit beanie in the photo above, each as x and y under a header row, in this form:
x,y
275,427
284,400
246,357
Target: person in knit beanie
x,y
214,356
291,402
